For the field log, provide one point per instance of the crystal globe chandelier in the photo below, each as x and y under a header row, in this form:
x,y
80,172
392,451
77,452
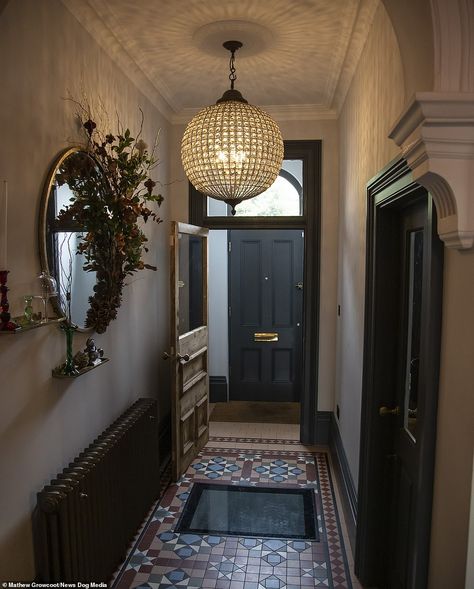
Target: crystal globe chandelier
x,y
232,151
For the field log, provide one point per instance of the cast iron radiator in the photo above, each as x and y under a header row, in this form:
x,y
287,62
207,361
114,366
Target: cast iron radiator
x,y
87,516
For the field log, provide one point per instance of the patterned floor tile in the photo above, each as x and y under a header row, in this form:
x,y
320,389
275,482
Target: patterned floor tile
x,y
164,558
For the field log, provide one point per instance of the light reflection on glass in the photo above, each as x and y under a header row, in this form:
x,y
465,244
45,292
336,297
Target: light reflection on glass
x,y
415,283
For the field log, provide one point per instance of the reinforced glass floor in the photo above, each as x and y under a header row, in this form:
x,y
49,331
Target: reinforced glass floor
x,y
249,511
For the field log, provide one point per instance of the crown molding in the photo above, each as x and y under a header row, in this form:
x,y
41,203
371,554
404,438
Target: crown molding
x,y
358,38
436,136
99,21
86,14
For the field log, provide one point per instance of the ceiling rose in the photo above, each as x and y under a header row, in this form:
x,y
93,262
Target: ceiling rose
x,y
255,38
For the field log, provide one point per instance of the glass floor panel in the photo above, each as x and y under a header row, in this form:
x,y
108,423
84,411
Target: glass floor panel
x,y
250,511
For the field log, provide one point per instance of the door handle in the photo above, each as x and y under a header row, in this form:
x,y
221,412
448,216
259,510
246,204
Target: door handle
x,y
299,285
384,411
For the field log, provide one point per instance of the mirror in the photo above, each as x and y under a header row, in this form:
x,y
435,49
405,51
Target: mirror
x,y
59,238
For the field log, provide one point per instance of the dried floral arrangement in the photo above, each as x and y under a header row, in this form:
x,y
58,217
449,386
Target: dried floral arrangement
x,y
110,202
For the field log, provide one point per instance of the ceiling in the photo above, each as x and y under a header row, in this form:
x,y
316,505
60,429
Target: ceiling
x,y
297,60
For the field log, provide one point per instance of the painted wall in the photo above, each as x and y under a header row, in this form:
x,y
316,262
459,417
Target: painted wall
x,y
455,434
412,23
327,131
374,100
470,548
44,423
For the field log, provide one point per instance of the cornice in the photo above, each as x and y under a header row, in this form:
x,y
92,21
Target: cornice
x,y
436,136
360,31
87,16
99,21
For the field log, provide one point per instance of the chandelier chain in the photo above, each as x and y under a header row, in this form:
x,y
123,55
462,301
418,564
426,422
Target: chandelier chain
x,y
232,75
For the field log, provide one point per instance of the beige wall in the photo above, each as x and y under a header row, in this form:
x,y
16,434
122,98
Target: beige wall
x,y
455,439
374,100
327,132
44,423
412,22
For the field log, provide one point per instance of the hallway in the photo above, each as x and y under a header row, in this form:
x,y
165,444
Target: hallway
x,y
256,455
379,90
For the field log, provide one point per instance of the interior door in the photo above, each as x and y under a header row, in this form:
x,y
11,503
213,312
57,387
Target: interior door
x,y
403,318
404,409
189,344
266,308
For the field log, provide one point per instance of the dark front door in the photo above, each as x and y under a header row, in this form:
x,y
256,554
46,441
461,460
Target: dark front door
x,y
266,303
403,315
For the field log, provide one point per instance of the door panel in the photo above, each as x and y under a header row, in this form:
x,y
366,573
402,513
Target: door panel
x,y
189,344
250,289
266,302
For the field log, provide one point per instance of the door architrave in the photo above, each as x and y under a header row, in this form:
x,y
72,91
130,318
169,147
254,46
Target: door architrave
x,y
392,189
310,222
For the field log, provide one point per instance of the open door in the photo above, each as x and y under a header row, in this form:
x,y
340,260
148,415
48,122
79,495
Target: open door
x,y
189,343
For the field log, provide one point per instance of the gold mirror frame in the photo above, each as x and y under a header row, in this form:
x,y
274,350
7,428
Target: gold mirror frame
x,y
43,228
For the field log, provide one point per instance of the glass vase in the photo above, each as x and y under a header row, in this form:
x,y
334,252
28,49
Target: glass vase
x,y
68,368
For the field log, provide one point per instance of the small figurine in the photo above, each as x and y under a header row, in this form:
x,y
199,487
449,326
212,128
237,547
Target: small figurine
x,y
93,352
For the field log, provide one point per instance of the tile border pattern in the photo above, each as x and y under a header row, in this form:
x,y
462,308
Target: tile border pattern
x,y
164,559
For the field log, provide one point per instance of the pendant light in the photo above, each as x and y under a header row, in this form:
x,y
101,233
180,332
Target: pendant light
x,y
232,151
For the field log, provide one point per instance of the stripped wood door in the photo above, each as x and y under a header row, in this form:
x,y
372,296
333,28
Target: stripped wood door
x,y
189,343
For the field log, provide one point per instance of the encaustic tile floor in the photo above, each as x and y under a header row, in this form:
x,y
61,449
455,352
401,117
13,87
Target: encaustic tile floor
x,y
163,558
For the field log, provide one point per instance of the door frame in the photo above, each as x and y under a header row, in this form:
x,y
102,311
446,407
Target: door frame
x,y
392,189
310,152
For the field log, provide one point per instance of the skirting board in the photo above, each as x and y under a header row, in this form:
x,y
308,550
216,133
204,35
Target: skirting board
x,y
323,427
218,389
346,482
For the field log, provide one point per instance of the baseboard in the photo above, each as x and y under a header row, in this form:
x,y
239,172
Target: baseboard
x,y
347,487
323,425
218,389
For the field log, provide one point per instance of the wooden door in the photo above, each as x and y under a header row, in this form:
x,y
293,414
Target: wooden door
x,y
401,364
189,344
266,314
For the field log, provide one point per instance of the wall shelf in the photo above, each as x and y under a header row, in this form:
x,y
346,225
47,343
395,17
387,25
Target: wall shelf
x,y
23,326
56,372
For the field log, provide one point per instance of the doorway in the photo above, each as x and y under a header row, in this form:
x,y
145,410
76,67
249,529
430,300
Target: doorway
x,y
304,156
400,382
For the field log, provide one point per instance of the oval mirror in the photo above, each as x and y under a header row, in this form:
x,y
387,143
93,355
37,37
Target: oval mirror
x,y
59,240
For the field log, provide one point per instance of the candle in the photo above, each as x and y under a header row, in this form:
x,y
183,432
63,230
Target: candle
x,y
4,225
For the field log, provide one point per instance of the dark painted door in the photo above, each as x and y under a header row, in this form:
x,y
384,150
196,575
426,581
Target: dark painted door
x,y
266,303
401,378
402,409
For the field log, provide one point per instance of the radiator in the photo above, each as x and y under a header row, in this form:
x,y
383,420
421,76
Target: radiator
x,y
87,516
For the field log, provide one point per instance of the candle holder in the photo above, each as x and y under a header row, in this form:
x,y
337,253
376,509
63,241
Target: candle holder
x,y
5,323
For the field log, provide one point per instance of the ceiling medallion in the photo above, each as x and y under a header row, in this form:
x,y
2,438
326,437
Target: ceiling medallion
x,y
232,151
